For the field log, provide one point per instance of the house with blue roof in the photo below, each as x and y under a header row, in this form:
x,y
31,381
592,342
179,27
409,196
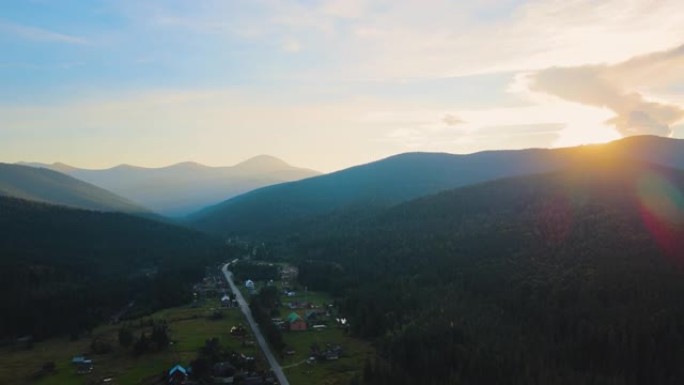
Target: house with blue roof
x,y
177,375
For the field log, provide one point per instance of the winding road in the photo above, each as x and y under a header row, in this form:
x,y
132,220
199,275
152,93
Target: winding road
x,y
275,366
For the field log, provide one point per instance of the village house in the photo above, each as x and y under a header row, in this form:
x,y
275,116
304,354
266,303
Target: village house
x,y
296,322
238,331
315,315
249,284
177,375
83,365
330,353
298,305
226,301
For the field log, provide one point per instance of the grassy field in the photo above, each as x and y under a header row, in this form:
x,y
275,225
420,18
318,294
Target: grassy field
x,y
298,372
189,328
337,372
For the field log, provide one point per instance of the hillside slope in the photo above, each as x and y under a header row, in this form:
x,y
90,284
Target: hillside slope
x,y
573,277
403,177
42,185
64,270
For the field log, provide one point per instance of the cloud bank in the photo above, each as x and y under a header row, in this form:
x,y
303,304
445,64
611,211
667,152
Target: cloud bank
x,y
616,87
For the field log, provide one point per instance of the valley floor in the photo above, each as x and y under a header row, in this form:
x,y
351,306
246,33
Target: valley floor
x,y
189,328
298,367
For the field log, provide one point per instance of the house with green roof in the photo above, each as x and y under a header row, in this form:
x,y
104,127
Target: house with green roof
x,y
296,322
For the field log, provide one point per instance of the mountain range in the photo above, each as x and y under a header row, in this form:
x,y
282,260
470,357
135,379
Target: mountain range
x,y
182,188
407,176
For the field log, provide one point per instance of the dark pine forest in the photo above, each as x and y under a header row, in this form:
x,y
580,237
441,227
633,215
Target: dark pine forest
x,y
65,270
573,277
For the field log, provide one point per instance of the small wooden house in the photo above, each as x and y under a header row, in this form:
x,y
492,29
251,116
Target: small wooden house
x,y
296,322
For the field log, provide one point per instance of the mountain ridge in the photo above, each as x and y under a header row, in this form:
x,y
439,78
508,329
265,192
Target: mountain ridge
x,y
254,160
185,187
48,186
573,274
407,176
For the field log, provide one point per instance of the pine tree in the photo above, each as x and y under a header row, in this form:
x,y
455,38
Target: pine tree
x,y
125,336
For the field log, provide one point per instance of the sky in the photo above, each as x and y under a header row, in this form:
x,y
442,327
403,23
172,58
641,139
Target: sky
x,y
330,84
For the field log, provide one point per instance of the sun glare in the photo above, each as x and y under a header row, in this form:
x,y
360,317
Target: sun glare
x,y
579,134
662,206
587,129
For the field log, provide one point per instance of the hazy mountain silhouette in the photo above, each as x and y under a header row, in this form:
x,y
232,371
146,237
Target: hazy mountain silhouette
x,y
43,185
408,176
186,187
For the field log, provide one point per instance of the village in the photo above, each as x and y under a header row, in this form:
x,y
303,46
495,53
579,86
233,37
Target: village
x,y
209,340
309,323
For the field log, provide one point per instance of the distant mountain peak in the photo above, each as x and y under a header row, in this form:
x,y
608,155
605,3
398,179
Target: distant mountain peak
x,y
263,163
189,165
62,167
60,164
57,166
126,166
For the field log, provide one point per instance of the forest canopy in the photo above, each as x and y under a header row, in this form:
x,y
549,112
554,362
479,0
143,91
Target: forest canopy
x,y
66,270
563,278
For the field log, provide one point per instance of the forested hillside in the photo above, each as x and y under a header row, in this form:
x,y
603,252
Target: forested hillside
x,y
42,185
574,277
378,185
64,270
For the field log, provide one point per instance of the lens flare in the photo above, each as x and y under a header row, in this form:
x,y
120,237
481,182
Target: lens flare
x,y
662,210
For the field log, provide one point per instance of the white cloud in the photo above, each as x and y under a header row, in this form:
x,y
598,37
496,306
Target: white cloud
x,y
438,38
614,87
548,122
443,38
40,34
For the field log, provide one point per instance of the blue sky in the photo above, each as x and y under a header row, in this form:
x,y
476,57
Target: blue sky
x,y
330,84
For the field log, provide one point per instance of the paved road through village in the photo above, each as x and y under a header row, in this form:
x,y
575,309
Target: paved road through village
x,y
275,366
